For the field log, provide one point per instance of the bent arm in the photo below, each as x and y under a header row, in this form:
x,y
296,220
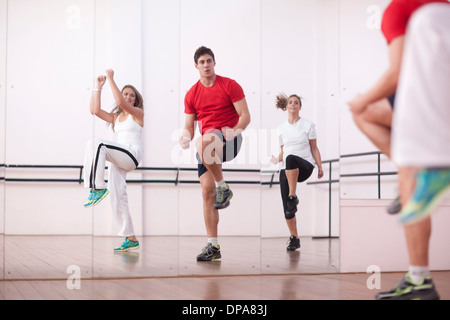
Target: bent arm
x,y
244,115
95,104
189,130
137,113
278,159
244,120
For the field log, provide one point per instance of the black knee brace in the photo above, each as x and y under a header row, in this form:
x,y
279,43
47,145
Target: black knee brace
x,y
289,216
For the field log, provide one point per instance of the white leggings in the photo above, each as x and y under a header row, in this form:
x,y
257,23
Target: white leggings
x,y
420,134
122,160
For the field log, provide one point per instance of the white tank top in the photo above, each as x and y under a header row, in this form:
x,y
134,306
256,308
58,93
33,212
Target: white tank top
x,y
129,132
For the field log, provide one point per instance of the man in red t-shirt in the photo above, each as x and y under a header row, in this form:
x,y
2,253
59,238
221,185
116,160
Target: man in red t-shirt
x,y
373,110
219,107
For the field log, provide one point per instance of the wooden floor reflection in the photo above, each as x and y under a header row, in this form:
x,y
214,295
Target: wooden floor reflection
x,y
49,257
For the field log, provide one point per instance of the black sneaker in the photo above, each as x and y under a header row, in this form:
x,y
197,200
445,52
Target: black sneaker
x,y
395,207
294,243
209,253
407,290
292,203
223,197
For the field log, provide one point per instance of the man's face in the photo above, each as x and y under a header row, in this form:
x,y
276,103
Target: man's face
x,y
205,65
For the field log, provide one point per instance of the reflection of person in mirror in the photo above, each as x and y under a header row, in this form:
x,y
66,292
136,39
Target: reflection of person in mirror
x,y
123,155
299,154
219,106
373,110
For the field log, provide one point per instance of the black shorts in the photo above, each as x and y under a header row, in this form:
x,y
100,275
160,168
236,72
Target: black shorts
x,y
391,100
231,149
305,170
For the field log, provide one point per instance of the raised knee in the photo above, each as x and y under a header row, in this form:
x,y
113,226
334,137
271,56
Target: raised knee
x,y
290,159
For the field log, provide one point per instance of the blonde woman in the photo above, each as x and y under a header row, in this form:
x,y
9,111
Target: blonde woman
x,y
123,155
299,154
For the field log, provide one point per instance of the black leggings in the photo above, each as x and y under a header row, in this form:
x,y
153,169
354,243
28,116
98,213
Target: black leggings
x,y
305,170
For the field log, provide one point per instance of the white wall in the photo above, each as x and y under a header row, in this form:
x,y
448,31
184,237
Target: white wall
x,y
3,25
377,238
363,58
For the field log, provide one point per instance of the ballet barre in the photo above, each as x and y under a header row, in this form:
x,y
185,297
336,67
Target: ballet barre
x,y
80,180
378,173
178,181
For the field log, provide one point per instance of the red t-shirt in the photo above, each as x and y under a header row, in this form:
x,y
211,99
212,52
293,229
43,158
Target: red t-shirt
x,y
397,14
214,105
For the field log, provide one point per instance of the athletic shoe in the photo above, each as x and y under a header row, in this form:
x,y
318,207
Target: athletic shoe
x,y
294,243
223,197
292,203
89,200
395,207
431,187
209,253
407,290
127,245
98,196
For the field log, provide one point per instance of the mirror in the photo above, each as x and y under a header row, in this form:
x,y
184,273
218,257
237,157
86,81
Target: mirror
x,y
359,155
3,24
298,61
303,47
239,224
49,62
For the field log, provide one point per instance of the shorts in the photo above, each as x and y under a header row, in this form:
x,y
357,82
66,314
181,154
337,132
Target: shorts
x,y
391,100
231,149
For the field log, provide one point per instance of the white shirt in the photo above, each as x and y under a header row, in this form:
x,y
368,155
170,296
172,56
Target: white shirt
x,y
295,139
129,133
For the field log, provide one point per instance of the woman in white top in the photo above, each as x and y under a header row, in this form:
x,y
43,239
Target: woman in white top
x,y
123,155
299,154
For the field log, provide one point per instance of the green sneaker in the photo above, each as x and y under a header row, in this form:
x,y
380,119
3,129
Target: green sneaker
x,y
98,195
127,245
407,290
89,200
223,197
431,187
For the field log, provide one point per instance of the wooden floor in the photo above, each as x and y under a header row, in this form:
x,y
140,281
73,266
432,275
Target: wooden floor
x,y
255,287
165,269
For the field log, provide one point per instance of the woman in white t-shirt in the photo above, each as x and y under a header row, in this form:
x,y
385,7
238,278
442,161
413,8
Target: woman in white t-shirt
x,y
299,154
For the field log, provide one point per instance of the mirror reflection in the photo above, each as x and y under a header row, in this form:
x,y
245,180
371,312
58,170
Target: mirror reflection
x,y
2,129
271,47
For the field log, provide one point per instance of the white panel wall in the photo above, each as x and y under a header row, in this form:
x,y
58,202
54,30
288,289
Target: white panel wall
x,y
363,59
377,238
160,70
49,73
3,33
